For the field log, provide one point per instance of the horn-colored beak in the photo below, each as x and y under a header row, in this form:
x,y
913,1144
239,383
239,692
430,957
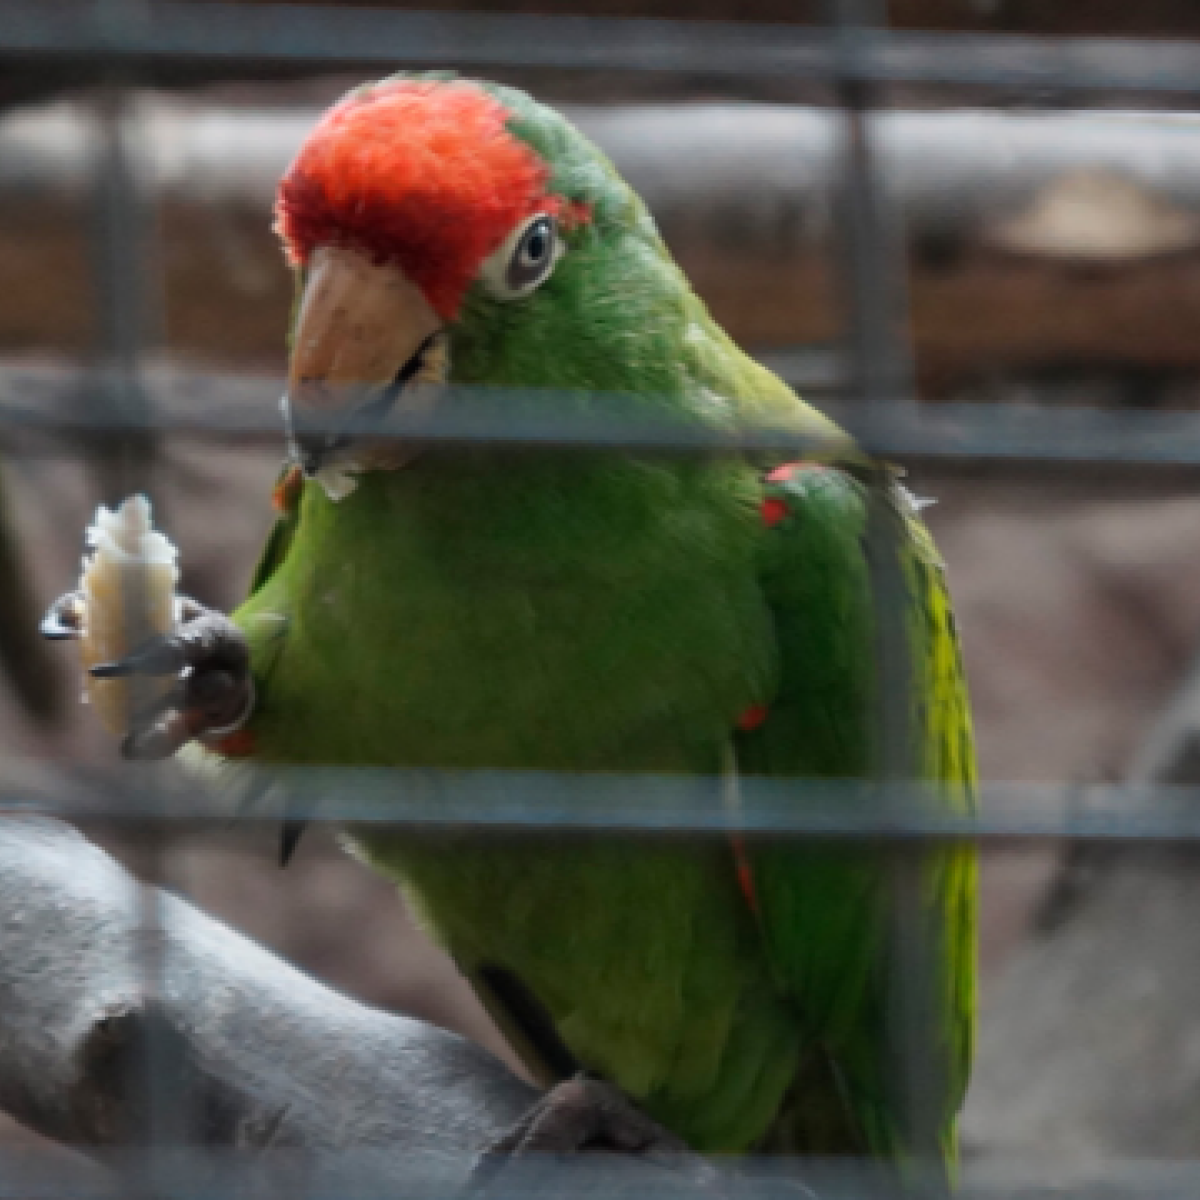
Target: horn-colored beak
x,y
362,337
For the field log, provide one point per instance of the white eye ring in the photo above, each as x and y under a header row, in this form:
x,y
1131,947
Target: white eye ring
x,y
525,259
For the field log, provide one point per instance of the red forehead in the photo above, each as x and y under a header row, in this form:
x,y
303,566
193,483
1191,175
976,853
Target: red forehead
x,y
419,172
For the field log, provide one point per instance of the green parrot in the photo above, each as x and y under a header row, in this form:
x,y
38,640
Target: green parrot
x,y
503,607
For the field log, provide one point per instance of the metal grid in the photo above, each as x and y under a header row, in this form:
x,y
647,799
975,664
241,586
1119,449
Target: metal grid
x,y
109,42
855,48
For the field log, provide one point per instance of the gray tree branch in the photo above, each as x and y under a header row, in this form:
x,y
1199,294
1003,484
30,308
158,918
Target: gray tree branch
x,y
131,1021
252,1055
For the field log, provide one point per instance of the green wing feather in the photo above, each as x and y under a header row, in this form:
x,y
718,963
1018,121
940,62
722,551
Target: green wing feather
x,y
825,909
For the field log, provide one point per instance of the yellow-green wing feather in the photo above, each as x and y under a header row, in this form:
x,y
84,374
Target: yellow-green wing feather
x,y
826,909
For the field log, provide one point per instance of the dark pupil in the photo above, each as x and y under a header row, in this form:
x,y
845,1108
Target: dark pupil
x,y
533,252
535,243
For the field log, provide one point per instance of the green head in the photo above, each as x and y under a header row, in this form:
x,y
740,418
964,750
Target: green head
x,y
447,230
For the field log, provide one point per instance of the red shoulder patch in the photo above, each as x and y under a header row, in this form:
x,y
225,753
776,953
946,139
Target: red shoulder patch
x,y
773,509
752,718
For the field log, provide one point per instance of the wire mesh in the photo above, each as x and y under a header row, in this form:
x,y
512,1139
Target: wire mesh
x,y
112,42
230,37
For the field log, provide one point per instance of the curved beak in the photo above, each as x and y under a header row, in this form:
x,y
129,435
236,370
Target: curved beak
x,y
365,340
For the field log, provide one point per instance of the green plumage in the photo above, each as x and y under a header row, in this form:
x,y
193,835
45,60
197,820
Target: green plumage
x,y
508,609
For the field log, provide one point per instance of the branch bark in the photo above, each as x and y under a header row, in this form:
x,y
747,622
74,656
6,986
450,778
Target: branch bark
x,y
256,1057
235,1067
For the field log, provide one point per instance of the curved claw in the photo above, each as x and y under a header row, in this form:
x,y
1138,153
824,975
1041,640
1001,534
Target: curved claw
x,y
290,833
63,619
585,1114
170,732
213,699
208,641
164,656
111,670
214,692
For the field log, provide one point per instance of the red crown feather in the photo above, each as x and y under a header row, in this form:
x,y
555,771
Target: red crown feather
x,y
422,173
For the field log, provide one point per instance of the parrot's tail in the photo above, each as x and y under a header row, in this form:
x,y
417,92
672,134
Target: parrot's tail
x,y
820,1121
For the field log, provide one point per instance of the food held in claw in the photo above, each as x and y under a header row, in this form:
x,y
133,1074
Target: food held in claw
x,y
128,589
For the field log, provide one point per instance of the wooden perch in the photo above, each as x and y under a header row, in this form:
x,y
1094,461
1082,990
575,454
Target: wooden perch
x,y
1033,239
286,1088
253,1058
257,1056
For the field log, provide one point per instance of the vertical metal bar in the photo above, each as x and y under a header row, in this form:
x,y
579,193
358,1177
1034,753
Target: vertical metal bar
x,y
874,301
917,1064
878,369
123,262
122,295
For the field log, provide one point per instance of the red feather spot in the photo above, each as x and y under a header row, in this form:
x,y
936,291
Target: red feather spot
x,y
773,510
745,875
423,173
573,213
286,495
239,744
752,718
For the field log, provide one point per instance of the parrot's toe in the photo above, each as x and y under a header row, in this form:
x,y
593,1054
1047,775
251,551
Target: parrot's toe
x,y
588,1116
213,695
64,618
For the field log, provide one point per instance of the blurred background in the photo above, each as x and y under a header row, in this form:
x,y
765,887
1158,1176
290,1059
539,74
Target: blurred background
x,y
1039,247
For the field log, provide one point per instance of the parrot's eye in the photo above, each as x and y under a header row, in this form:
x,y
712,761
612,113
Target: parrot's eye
x,y
525,259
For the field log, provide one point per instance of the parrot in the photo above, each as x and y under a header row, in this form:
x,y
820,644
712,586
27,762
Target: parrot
x,y
495,605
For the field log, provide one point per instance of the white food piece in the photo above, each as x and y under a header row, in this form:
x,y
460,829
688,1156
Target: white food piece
x,y
128,589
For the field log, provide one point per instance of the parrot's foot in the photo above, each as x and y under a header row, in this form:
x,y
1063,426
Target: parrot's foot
x,y
586,1116
208,652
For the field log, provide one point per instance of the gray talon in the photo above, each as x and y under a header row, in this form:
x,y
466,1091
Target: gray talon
x,y
63,619
585,1116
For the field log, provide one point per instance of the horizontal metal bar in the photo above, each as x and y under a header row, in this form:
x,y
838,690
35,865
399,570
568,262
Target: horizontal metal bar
x,y
468,415
543,801
1021,433
316,37
951,431
198,1173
